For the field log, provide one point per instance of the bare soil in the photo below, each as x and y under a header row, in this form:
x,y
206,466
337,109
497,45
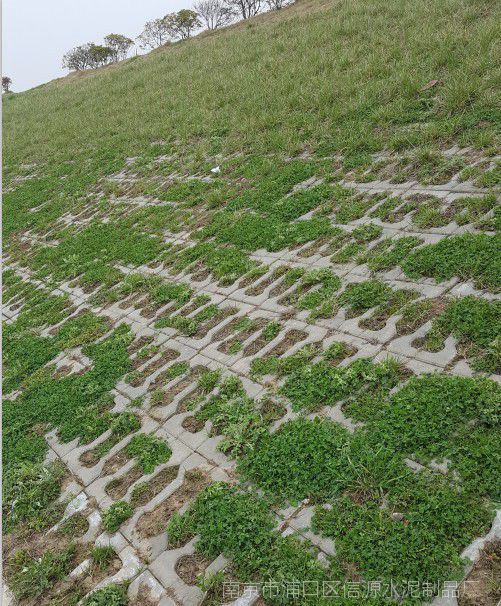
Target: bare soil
x,y
156,485
192,424
483,585
189,567
153,523
242,335
119,486
291,338
217,319
262,286
139,344
116,462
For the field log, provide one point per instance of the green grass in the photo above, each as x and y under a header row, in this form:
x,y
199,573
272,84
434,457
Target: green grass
x,y
159,291
427,511
476,323
189,325
388,253
108,242
34,576
469,257
149,451
116,515
23,354
74,403
226,264
29,490
111,595
175,94
235,417
443,417
121,425
287,105
240,527
311,386
427,53
362,296
102,556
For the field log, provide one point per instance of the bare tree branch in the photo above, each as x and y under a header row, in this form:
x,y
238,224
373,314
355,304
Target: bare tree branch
x,y
215,13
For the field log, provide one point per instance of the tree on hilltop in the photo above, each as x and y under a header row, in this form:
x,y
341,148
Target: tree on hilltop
x,y
181,24
214,13
99,55
154,34
246,8
86,56
78,58
276,5
6,84
119,46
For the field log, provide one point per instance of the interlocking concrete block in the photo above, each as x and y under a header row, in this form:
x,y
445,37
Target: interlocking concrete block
x,y
146,585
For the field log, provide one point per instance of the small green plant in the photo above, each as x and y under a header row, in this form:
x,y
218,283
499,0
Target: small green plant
x,y
336,351
243,324
124,423
230,386
121,425
157,397
81,219
208,380
235,417
102,556
377,536
112,595
383,211
476,323
78,331
211,582
490,178
149,451
32,577
362,296
116,515
234,348
441,416
469,256
176,370
271,330
367,232
240,527
187,326
75,526
148,352
311,386
390,253
29,489
134,377
137,492
348,252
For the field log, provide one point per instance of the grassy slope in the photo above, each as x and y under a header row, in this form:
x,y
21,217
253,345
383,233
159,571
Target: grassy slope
x,y
329,75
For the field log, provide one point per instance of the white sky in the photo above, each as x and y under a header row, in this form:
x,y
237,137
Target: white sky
x,y
37,33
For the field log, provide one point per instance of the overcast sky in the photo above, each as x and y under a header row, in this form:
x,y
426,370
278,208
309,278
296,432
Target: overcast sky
x,y
37,33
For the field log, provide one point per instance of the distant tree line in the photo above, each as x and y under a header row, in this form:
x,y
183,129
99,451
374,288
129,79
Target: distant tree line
x,y
90,55
211,14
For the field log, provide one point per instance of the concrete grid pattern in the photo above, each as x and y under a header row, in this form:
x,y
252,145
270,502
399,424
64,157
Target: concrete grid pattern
x,y
147,560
